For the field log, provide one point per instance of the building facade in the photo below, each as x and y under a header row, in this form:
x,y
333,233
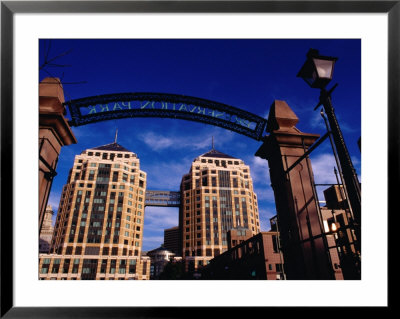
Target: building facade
x,y
101,211
75,267
257,257
335,197
172,240
46,233
340,234
159,258
216,196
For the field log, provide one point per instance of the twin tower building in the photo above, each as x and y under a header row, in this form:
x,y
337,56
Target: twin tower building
x,y
98,232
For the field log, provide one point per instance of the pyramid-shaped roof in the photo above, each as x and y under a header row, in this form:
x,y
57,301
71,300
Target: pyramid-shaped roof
x,y
111,147
215,153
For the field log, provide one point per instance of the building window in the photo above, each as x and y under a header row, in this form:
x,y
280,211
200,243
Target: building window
x,y
44,270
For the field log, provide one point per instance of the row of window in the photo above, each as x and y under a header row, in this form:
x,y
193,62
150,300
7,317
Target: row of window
x,y
214,191
103,193
85,209
222,162
215,198
111,155
205,172
109,224
103,176
104,165
90,266
111,200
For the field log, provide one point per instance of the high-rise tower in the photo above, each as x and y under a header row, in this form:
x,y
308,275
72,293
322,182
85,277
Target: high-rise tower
x,y
102,205
216,196
99,222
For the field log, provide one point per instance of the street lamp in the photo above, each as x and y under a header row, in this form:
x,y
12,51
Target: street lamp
x,y
317,71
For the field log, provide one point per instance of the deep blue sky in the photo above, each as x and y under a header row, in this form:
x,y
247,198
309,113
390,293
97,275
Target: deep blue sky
x,y
248,74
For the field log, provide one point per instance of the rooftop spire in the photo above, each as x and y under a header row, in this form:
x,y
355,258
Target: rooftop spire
x,y
212,142
116,134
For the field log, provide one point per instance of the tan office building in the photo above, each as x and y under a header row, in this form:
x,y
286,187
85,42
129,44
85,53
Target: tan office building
x,y
216,196
172,240
257,257
99,222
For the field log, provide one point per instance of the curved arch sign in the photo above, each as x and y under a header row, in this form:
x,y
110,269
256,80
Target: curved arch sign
x,y
129,105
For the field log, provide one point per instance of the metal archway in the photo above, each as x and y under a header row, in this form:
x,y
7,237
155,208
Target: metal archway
x,y
130,105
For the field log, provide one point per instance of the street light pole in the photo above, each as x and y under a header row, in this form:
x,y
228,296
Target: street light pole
x,y
349,174
317,71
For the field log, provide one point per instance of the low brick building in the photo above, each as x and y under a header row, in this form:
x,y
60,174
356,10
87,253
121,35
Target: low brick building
x,y
159,258
258,257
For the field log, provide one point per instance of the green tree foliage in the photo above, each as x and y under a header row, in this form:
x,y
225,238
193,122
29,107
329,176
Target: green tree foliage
x,y
173,271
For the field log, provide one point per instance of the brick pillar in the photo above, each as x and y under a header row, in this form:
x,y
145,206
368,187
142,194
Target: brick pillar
x,y
54,132
304,249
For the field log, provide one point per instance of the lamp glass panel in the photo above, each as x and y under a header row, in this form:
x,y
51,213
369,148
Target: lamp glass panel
x,y
324,68
310,81
311,77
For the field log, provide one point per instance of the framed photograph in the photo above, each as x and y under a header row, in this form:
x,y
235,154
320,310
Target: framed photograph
x,y
264,166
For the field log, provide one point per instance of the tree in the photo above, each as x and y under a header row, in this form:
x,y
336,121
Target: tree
x,y
173,271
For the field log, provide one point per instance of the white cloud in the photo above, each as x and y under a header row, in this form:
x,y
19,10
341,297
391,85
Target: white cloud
x,y
259,170
167,174
316,121
323,169
323,166
160,218
356,161
156,220
265,194
152,242
91,133
265,216
54,200
157,141
196,140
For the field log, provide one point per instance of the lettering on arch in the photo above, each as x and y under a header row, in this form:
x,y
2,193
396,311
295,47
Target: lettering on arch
x,y
131,105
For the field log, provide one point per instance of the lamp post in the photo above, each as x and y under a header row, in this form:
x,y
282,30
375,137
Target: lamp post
x,y
317,71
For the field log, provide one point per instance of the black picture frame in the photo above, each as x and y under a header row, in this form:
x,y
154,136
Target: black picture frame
x,y
9,8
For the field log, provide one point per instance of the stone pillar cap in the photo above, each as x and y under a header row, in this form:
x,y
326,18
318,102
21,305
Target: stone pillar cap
x,y
51,87
281,117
